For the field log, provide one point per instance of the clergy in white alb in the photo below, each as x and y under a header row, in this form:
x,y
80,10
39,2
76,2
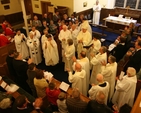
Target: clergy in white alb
x,y
69,53
63,36
20,43
101,86
84,38
74,32
44,36
97,63
50,51
35,32
125,89
109,73
96,13
78,79
84,62
34,49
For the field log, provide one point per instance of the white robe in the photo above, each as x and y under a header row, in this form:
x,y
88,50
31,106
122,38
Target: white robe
x,y
125,91
86,39
94,89
97,66
84,62
87,25
74,34
21,45
51,53
69,53
96,14
109,74
78,81
43,39
37,35
35,52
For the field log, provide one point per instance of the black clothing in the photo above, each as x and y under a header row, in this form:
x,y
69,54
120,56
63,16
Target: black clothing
x,y
94,107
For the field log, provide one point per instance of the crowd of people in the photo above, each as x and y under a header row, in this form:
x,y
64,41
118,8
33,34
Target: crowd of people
x,y
91,67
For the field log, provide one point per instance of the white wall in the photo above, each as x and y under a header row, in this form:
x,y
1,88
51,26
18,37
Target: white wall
x,y
15,7
78,4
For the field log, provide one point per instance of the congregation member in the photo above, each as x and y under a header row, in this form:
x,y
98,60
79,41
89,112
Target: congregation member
x,y
61,103
66,19
4,24
50,51
46,19
125,89
69,53
96,62
72,18
120,50
84,38
21,67
78,79
3,39
56,17
52,93
9,61
62,23
77,23
40,84
70,24
109,73
84,62
74,32
96,12
31,73
20,43
35,32
64,35
9,31
45,26
75,104
135,57
52,28
101,86
37,23
98,105
34,49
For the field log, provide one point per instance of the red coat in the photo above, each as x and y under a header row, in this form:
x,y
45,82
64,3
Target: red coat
x,y
52,95
3,40
9,32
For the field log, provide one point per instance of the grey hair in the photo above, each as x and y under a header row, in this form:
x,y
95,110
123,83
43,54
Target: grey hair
x,y
131,71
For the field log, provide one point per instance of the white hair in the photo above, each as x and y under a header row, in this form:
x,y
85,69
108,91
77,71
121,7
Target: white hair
x,y
131,71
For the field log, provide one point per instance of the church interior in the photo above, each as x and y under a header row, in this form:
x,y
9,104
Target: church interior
x,y
116,24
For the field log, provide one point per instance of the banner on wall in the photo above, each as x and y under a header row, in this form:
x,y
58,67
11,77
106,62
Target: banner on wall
x,y
51,9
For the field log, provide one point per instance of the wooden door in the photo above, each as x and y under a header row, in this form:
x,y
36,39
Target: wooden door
x,y
28,7
44,7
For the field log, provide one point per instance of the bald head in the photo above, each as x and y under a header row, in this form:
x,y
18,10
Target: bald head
x,y
99,78
64,27
131,72
77,67
76,93
100,97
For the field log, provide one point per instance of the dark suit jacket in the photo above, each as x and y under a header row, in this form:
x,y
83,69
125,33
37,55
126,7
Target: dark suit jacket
x,y
119,51
135,61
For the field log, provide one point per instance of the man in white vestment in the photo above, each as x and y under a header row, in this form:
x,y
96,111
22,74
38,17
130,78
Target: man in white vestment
x,y
78,78
109,73
64,35
84,62
101,86
74,32
97,63
34,49
20,43
125,89
84,38
69,53
86,23
35,32
50,51
44,36
96,13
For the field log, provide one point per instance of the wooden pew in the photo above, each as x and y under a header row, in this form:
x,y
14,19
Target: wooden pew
x,y
69,92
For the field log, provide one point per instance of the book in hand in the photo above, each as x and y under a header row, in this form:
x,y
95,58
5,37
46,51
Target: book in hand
x,y
64,86
12,88
121,75
3,84
48,76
